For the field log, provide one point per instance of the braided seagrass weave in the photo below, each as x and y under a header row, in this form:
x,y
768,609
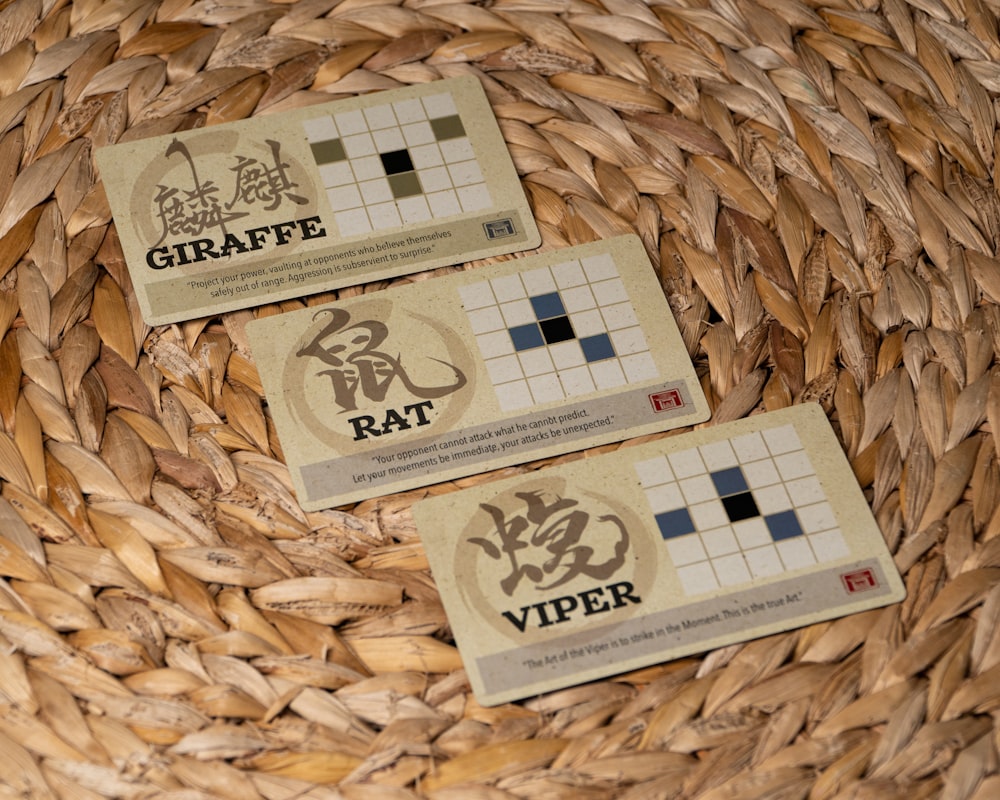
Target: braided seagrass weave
x,y
814,183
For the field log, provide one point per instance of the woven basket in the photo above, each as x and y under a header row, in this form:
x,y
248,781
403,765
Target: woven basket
x,y
814,186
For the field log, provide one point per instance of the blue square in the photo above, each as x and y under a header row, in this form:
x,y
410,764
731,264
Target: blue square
x,y
729,481
526,337
675,523
784,525
597,348
548,305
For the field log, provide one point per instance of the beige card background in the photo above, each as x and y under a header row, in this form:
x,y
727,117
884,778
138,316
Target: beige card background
x,y
388,391
253,195
562,576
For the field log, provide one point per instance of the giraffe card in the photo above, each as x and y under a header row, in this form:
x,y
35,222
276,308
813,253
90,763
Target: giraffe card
x,y
332,195
677,546
473,371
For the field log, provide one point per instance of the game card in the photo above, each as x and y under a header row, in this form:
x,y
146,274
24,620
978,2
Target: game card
x,y
653,552
474,371
332,195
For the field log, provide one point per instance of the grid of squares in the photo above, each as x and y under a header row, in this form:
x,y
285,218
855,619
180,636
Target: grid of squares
x,y
396,164
556,332
741,509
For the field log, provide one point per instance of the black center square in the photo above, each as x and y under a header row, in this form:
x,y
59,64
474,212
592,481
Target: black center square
x,y
740,506
396,161
557,329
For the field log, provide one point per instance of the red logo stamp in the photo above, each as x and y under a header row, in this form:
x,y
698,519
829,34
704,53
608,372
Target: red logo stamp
x,y
664,401
860,581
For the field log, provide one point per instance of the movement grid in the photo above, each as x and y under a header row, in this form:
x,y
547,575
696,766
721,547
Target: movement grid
x,y
395,164
745,508
556,332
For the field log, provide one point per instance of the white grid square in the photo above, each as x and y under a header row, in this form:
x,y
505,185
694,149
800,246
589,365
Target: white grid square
x,y
351,122
793,465
535,362
817,517
435,179
795,553
508,287
612,291
764,561
600,267
444,204
577,381
414,209
465,172
538,281
320,129
546,388
417,133
806,490
720,541
484,320
426,156
514,395
829,545
344,197
579,298
718,455
367,168
781,440
380,117
566,355
639,367
710,514
752,532
518,312
607,374
686,550
504,369
476,295
686,463
359,145
618,316
750,447
629,341
587,323
698,578
475,197
772,499
698,489
665,497
653,471
353,221
376,191
409,110
336,174
496,344
731,570
455,150
439,105
568,274
760,473
384,215
388,140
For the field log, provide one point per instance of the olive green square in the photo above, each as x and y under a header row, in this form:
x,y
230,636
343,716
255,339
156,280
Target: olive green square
x,y
328,151
447,127
405,184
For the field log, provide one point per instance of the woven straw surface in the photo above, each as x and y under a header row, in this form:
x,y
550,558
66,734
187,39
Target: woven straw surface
x,y
814,184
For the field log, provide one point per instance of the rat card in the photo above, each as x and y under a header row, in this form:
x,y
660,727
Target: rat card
x,y
631,558
332,195
474,371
